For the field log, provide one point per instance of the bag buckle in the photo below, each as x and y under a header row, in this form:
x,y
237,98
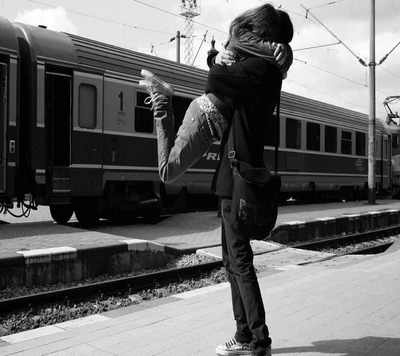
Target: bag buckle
x,y
232,159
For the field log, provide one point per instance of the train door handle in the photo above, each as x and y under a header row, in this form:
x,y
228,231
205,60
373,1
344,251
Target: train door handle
x,y
12,146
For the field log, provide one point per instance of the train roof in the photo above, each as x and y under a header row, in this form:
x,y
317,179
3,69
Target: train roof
x,y
9,43
91,55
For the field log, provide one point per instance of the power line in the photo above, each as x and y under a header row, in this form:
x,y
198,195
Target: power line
x,y
331,3
175,15
337,75
327,95
326,28
127,25
395,75
314,47
100,18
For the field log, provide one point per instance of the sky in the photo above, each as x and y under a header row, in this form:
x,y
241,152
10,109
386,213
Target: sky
x,y
330,36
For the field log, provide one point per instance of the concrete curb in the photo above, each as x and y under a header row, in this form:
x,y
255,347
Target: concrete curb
x,y
298,231
68,264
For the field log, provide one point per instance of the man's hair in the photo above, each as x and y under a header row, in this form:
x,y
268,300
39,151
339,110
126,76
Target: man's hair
x,y
266,22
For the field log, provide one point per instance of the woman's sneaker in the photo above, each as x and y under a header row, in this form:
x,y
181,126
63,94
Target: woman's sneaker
x,y
233,348
154,84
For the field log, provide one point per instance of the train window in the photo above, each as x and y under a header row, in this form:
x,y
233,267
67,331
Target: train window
x,y
293,133
87,106
143,116
330,139
395,141
313,136
360,144
346,142
270,133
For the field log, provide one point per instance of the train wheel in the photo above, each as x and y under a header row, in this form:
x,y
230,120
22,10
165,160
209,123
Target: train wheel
x,y
61,213
87,212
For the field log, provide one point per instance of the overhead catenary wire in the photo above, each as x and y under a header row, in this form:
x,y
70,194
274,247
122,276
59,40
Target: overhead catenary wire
x,y
315,47
338,76
172,14
201,44
387,55
340,41
331,3
100,18
326,28
327,71
327,95
391,73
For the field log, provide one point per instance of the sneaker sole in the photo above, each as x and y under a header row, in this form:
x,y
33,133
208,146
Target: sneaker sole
x,y
232,353
145,73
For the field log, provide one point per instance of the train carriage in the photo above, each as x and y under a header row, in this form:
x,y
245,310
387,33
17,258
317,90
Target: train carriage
x,y
91,136
80,138
324,148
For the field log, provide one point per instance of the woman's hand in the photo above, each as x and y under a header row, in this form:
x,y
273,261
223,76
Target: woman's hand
x,y
225,57
280,52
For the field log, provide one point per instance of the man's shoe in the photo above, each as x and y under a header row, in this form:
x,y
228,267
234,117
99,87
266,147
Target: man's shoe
x,y
233,348
154,84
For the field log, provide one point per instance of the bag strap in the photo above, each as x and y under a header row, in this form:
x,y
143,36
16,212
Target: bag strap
x,y
278,120
231,146
231,138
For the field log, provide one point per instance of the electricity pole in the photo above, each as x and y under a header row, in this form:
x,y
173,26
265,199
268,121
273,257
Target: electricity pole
x,y
372,97
372,110
178,47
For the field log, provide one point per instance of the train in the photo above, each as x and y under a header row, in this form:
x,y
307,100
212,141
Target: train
x,y
77,136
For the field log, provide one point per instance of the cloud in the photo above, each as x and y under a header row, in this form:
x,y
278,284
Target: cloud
x,y
55,19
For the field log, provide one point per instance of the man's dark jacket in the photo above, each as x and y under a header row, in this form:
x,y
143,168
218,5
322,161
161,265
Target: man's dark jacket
x,y
252,87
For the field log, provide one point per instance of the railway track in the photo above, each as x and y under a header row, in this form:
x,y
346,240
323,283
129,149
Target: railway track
x,y
149,280
113,286
368,242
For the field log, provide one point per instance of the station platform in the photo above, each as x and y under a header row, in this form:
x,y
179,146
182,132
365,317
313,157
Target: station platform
x,y
189,232
35,250
338,307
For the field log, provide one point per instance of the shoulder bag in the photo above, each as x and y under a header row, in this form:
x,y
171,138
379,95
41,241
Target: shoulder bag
x,y
255,193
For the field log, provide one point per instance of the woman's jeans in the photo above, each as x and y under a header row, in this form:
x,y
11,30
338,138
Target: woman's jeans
x,y
177,154
248,307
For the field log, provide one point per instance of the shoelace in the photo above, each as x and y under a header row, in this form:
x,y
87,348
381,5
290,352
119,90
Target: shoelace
x,y
150,99
155,98
231,342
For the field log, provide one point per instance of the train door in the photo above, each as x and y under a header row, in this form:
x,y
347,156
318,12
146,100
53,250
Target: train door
x,y
3,125
58,135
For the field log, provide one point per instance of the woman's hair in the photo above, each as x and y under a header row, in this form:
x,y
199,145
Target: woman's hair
x,y
266,22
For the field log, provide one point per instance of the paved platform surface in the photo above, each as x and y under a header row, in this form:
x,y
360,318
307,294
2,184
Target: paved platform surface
x,y
185,231
338,307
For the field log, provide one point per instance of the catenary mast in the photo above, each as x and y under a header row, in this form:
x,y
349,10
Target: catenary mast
x,y
189,9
